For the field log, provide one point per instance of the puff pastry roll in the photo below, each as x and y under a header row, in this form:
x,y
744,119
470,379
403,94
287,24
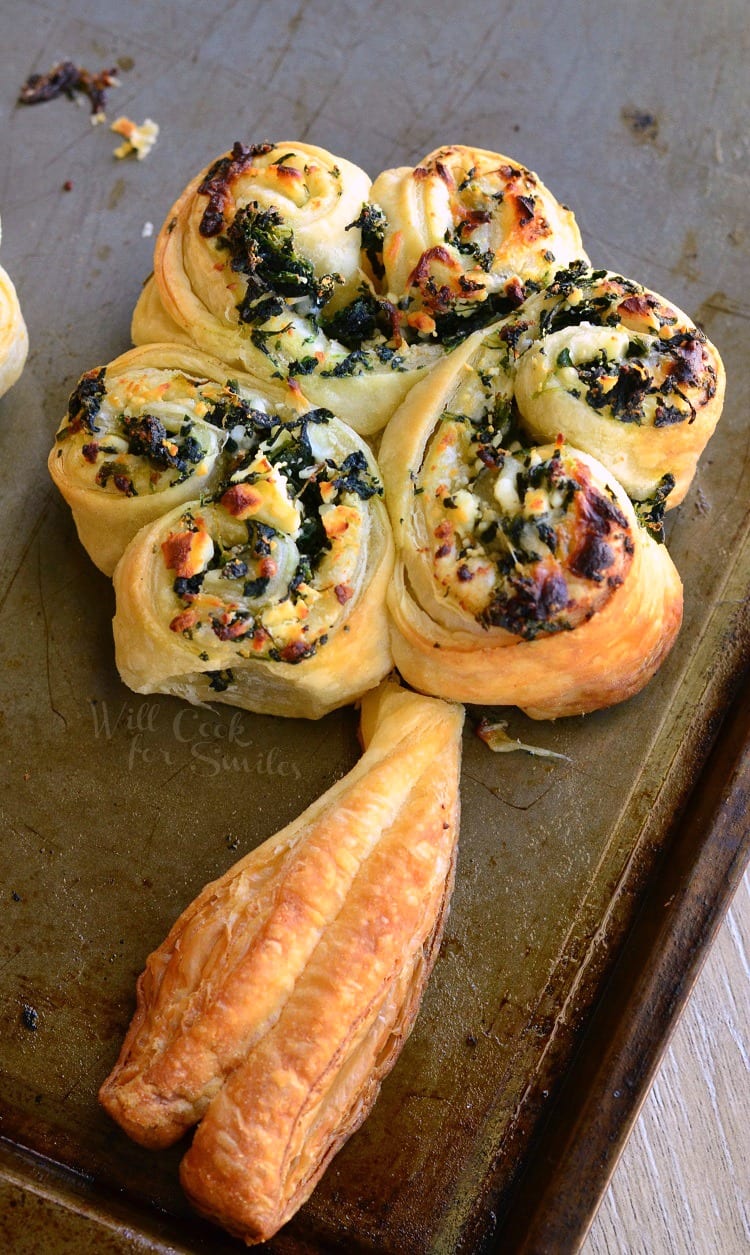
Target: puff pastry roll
x,y
283,995
523,576
259,263
465,230
14,338
624,375
269,595
149,432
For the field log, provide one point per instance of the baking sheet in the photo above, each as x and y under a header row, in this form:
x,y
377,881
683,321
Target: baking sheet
x,y
117,809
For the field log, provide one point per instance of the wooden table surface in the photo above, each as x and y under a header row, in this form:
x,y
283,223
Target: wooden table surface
x,y
682,1186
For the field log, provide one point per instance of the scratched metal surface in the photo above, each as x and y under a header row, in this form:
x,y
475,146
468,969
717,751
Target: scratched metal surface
x,y
116,811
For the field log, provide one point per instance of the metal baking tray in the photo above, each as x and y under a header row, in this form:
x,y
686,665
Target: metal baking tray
x,y
588,887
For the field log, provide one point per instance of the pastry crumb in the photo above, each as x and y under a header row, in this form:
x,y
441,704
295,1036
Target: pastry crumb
x,y
68,79
147,230
137,139
496,736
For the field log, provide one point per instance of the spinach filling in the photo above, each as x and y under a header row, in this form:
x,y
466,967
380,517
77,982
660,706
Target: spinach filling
x,y
288,447
262,249
85,403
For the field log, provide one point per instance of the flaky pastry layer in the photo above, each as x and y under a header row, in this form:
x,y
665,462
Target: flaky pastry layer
x,y
523,576
284,993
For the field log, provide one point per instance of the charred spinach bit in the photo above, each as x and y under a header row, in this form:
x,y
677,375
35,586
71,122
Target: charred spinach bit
x,y
239,625
526,606
148,437
265,309
467,247
261,247
303,366
296,452
187,521
360,320
546,534
668,415
68,79
260,337
625,395
650,512
217,180
389,356
233,569
467,316
302,575
260,536
372,222
511,333
356,477
256,588
188,585
113,471
353,364
235,412
569,278
85,403
468,179
548,474
220,680
312,540
499,419
597,310
238,413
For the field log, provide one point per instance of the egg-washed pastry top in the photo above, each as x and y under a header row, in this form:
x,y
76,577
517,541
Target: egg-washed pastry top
x,y
283,994
282,560
523,574
282,259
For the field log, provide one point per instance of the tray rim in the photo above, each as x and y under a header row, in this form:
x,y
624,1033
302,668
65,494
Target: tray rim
x,y
644,994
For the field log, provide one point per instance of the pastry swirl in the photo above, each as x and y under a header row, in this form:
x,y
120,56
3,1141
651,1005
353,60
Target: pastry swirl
x,y
14,338
622,374
523,576
270,593
259,263
284,993
145,433
465,231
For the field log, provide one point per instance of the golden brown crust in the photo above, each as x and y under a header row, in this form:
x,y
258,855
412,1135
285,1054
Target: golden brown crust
x,y
522,578
245,316
14,338
118,469
283,995
466,230
270,596
623,375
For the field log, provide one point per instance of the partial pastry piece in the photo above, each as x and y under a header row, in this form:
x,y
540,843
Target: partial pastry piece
x,y
464,232
283,995
622,374
523,576
259,262
268,594
148,432
14,338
